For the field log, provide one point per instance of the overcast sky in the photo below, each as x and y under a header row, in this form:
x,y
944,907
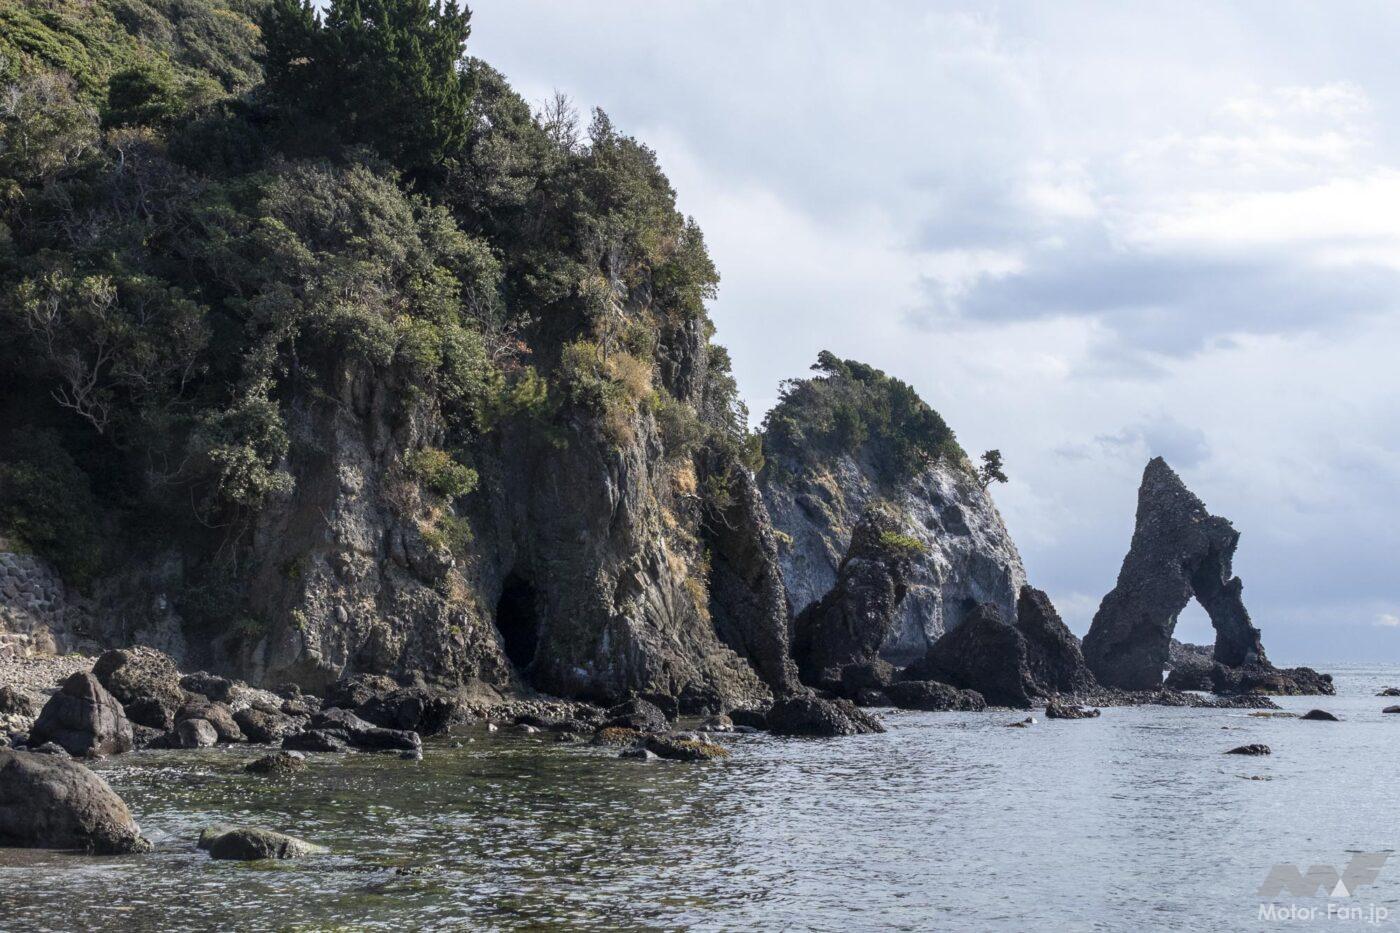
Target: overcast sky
x,y
1086,233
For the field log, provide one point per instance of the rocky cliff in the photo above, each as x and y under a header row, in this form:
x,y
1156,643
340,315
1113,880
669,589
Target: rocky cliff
x,y
817,491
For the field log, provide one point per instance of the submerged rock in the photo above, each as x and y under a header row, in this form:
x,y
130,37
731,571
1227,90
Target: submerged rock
x,y
1389,692
983,654
683,749
1320,715
932,696
1255,749
53,802
248,844
283,762
1391,709
1179,550
85,719
1055,710
813,716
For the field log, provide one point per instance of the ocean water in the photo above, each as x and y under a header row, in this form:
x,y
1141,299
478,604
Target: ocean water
x,y
1133,821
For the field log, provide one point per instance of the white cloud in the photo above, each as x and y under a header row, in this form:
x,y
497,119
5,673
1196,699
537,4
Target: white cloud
x,y
1388,620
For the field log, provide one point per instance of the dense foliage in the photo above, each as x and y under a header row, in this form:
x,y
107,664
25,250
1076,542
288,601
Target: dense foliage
x,y
187,253
852,408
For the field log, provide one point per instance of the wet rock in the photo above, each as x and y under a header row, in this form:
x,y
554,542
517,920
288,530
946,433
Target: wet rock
x,y
217,715
848,625
53,802
49,748
1179,550
1022,724
719,723
85,719
145,681
982,654
264,728
364,735
248,844
196,733
210,686
638,753
356,690
677,748
932,696
749,718
1054,710
1320,715
316,740
416,709
284,762
411,755
1053,656
1255,749
616,735
638,714
1191,675
1389,692
813,716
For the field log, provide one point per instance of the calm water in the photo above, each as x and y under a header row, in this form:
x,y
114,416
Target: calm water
x,y
949,821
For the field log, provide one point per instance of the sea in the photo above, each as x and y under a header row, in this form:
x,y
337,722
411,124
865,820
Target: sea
x,y
1136,820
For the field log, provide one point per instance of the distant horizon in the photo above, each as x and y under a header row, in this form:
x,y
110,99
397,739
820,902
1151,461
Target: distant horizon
x,y
1085,234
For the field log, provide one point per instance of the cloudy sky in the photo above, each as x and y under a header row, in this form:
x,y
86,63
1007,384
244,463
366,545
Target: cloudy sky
x,y
1086,233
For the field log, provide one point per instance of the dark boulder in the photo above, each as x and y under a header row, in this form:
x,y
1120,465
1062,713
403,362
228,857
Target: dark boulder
x,y
1069,711
930,695
53,802
849,624
1255,749
356,690
1053,656
1179,550
1319,715
1391,709
1190,674
264,728
283,762
209,686
362,734
316,740
639,714
85,719
1265,679
984,654
1387,692
869,698
418,709
195,733
683,749
814,716
749,718
217,715
15,703
248,844
145,681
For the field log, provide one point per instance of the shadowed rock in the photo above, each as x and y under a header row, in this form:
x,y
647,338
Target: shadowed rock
x,y
1053,655
53,802
814,716
1179,550
983,654
83,718
1320,715
145,681
932,696
1255,749
1069,711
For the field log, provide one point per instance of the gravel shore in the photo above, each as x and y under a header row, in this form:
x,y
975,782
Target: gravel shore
x,y
40,676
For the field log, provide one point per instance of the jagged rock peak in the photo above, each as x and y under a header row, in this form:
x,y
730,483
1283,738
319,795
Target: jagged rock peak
x,y
1052,652
1179,550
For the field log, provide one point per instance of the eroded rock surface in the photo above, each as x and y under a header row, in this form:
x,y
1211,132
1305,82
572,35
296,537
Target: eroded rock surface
x,y
52,802
983,654
83,718
1053,655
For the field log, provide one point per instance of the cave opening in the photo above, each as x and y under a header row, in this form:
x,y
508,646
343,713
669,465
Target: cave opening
x,y
518,621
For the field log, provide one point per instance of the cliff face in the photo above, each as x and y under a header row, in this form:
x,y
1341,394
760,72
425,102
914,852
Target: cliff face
x,y
967,557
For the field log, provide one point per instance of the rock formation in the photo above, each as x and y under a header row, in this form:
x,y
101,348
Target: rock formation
x,y
1053,655
849,625
983,654
83,718
1179,550
51,802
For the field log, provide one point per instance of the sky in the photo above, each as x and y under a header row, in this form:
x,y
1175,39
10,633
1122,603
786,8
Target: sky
x,y
1086,233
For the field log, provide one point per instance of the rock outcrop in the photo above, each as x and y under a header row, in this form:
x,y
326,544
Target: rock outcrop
x,y
1179,550
145,681
52,802
984,654
804,715
1053,655
848,626
83,718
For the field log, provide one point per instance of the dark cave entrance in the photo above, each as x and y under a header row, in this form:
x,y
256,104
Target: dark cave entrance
x,y
518,621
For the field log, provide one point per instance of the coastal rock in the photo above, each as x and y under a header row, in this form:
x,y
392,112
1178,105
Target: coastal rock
x,y
196,733
356,690
638,714
683,749
417,709
264,728
638,753
361,734
52,802
1255,749
248,844
983,654
1055,710
217,715
85,719
1179,550
209,686
284,762
1320,715
848,626
813,716
1053,656
145,681
1389,692
930,695
1391,709
18,704
316,740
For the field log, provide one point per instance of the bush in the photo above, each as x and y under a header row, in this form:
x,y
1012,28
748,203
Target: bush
x,y
901,545
437,470
47,505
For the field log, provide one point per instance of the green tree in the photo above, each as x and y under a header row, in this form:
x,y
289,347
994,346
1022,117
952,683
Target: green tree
x,y
991,469
386,73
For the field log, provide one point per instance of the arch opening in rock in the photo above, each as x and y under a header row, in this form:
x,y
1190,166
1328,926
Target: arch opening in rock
x,y
518,621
